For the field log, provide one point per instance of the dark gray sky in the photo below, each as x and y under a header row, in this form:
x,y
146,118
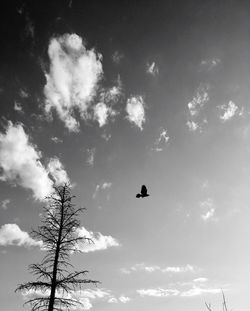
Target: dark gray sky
x,y
110,96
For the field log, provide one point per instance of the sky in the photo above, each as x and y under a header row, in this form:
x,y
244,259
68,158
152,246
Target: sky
x,y
111,95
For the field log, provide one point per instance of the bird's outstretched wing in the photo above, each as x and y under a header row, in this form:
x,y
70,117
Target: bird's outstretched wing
x,y
144,190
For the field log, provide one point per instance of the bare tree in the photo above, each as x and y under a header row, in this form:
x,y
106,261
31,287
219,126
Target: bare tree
x,y
58,233
224,303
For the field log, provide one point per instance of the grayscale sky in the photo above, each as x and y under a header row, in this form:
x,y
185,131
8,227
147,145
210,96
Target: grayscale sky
x,y
110,95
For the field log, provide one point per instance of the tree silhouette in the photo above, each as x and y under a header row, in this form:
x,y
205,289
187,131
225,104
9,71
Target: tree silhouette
x,y
58,232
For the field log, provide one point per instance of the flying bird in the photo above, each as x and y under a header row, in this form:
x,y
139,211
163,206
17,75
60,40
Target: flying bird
x,y
144,192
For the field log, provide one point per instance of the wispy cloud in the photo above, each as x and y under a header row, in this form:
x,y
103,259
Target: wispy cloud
x,y
102,112
90,156
209,64
135,109
56,140
158,292
104,186
161,141
5,204
11,234
117,57
154,268
152,69
72,80
99,241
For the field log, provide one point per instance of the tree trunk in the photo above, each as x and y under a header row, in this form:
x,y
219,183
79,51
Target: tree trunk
x,y
53,282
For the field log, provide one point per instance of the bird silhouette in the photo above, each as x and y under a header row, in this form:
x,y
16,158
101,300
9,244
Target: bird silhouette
x,y
144,192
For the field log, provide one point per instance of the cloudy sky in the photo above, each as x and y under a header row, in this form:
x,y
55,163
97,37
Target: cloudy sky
x,y
110,97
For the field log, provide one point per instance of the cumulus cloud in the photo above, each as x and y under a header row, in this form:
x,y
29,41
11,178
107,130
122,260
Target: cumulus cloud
x,y
11,234
20,162
124,299
102,112
170,269
72,79
57,171
99,241
135,109
152,69
5,203
228,111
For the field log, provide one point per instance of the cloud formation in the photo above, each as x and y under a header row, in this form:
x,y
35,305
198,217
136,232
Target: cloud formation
x,y
152,69
11,234
57,172
21,162
72,79
228,111
170,269
135,109
208,207
5,203
102,112
99,241
195,106
161,141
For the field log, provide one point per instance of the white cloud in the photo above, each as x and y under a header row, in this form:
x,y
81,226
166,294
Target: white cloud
x,y
5,203
161,141
158,292
56,140
170,269
23,93
90,156
102,112
18,107
21,162
87,297
57,171
11,234
73,78
135,109
199,100
124,299
193,126
209,210
229,111
209,64
196,105
197,291
200,280
104,186
100,241
152,69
